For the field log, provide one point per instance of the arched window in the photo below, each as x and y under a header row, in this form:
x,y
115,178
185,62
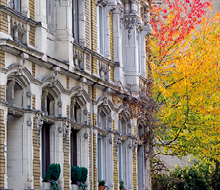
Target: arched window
x,y
78,111
140,131
48,103
124,125
14,94
104,117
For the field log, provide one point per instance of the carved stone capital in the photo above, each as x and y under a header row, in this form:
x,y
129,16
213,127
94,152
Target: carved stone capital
x,y
66,131
38,125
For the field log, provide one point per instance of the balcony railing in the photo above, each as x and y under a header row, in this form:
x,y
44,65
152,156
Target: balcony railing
x,y
82,59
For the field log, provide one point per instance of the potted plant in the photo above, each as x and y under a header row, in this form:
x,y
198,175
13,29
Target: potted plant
x,y
102,185
121,185
75,175
83,178
79,177
52,175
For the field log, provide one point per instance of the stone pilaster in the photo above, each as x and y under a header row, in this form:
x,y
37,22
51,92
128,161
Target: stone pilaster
x,y
36,157
95,172
2,145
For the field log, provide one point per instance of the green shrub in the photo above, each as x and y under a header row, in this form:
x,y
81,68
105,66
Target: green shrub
x,y
101,182
197,176
47,176
53,172
194,177
83,174
121,184
75,174
55,168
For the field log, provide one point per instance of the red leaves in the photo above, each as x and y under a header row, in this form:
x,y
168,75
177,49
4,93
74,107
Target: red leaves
x,y
175,20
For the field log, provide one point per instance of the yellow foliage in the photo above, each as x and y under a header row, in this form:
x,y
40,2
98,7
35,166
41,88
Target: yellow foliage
x,y
187,86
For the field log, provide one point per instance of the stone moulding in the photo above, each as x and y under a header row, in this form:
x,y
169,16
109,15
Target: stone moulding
x,y
11,12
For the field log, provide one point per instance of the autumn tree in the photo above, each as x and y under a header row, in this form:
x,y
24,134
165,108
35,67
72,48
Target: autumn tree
x,y
185,71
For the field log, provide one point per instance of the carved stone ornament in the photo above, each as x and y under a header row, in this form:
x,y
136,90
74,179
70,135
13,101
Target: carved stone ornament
x,y
59,104
38,125
117,142
66,130
28,94
81,86
110,141
105,102
110,119
86,135
85,111
29,122
22,59
129,24
54,77
135,144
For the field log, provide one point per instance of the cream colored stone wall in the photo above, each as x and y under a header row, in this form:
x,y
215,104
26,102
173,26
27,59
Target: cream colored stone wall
x,y
52,62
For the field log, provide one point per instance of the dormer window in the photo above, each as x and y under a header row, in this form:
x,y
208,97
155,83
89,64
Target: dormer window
x,y
16,5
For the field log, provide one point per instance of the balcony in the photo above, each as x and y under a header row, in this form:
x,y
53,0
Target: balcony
x,y
93,63
20,28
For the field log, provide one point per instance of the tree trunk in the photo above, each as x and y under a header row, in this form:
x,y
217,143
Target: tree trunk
x,y
215,172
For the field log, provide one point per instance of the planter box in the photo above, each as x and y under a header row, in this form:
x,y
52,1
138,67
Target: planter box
x,y
46,185
101,187
75,187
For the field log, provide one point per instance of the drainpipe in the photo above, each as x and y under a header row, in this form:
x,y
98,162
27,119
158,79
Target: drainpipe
x,y
90,32
92,168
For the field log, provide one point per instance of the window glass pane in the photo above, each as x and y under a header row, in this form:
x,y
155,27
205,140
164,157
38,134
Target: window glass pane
x,y
120,162
99,158
74,148
101,35
76,20
16,5
45,145
50,16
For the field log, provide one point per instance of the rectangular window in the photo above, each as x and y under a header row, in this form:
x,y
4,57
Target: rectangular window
x,y
139,54
16,5
99,158
73,147
45,145
75,25
120,161
50,16
101,30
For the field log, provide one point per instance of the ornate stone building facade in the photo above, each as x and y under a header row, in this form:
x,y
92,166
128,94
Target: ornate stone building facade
x,y
63,63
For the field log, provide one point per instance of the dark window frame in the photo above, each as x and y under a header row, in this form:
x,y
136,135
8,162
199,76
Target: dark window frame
x,y
73,147
75,16
12,5
45,145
